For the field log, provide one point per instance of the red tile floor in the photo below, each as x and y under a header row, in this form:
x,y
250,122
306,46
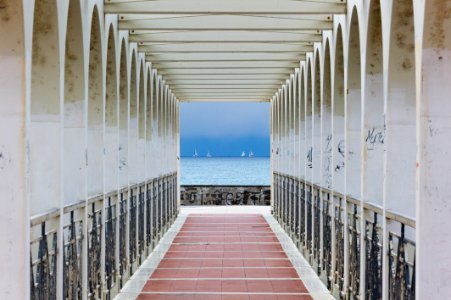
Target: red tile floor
x,y
225,257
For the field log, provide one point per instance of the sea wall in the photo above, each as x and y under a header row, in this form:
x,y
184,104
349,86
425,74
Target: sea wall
x,y
225,195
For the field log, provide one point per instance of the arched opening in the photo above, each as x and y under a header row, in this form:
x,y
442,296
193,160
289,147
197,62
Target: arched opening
x,y
290,126
302,131
283,120
141,123
111,158
95,150
149,121
123,117
162,125
339,161
148,104
316,107
401,112
111,115
142,106
354,128
155,106
95,109
309,156
74,108
161,99
296,125
155,90
339,115
308,121
354,107
316,176
374,132
326,119
44,163
133,123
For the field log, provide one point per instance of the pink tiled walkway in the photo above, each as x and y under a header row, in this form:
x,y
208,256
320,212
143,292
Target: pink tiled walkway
x,y
225,257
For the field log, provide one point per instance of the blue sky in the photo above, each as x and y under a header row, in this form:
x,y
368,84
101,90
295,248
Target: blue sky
x,y
224,128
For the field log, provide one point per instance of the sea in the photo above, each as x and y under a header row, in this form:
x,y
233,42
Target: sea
x,y
244,171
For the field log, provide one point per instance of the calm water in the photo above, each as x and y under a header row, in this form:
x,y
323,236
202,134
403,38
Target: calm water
x,y
225,171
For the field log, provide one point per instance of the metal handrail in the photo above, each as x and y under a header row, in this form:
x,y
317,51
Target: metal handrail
x,y
55,212
389,214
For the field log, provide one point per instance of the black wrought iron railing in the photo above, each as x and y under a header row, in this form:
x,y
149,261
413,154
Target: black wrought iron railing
x,y
343,238
102,240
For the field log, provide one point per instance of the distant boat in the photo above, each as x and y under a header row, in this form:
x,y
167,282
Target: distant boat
x,y
243,154
251,154
208,154
195,153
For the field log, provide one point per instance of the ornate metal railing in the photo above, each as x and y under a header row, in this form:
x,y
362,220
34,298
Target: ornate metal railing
x,y
73,247
123,215
141,222
95,250
44,249
343,238
149,217
102,240
373,258
302,218
295,213
309,234
132,231
353,231
317,229
110,246
339,245
401,265
327,238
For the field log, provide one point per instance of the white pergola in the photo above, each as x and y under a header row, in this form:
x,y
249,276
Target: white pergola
x,y
232,50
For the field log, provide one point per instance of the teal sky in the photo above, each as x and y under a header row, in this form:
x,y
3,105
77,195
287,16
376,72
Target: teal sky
x,y
224,128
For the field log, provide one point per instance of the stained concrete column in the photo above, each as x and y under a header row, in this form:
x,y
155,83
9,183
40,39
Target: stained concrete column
x,y
14,215
433,158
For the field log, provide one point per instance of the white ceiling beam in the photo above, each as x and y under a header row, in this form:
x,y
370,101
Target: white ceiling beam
x,y
178,81
226,65
274,7
223,22
241,99
224,57
214,77
229,71
226,37
225,48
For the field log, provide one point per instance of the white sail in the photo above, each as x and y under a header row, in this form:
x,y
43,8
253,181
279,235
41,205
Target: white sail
x,y
208,154
251,153
243,154
195,153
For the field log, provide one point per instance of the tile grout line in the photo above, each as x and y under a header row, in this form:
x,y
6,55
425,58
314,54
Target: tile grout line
x,y
310,280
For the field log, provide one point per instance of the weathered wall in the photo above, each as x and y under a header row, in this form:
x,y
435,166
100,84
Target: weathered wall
x,y
371,137
225,195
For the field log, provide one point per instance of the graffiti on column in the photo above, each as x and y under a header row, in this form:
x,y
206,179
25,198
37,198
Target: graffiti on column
x,y
310,157
374,138
225,195
328,161
340,160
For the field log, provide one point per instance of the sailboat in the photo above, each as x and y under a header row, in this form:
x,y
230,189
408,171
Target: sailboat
x,y
251,154
195,153
243,154
208,154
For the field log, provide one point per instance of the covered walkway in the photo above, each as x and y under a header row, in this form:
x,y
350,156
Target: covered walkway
x,y
360,136
234,253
